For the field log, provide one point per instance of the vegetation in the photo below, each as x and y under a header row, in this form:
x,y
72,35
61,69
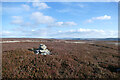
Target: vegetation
x,y
68,60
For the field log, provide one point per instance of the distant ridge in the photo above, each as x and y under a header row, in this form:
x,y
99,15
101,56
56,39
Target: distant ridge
x,y
101,39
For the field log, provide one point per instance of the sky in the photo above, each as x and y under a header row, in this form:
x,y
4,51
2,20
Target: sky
x,y
59,19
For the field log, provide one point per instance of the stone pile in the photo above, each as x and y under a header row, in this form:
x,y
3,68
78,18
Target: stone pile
x,y
42,50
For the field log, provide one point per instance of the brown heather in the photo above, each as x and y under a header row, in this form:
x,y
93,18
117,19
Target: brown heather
x,y
69,60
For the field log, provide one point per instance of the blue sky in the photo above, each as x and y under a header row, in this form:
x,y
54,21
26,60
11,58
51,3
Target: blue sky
x,y
60,19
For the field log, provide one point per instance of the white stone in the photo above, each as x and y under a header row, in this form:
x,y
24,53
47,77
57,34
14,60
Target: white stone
x,y
42,50
42,46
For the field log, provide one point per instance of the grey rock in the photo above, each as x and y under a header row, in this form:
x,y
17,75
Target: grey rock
x,y
42,50
36,51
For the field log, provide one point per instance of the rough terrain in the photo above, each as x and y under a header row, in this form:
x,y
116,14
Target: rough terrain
x,y
69,59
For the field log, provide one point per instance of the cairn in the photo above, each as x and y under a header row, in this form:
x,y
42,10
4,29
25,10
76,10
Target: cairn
x,y
42,50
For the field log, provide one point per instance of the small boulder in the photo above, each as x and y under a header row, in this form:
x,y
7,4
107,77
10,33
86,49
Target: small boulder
x,y
42,46
42,50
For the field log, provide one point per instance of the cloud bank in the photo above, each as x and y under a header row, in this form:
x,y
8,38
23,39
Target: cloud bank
x,y
85,33
73,33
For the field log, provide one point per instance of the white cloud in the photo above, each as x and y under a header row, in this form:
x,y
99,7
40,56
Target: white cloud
x,y
73,33
40,5
62,24
28,24
59,31
33,30
17,20
86,30
36,0
81,5
89,20
6,32
70,7
26,7
70,23
85,33
90,30
65,24
26,33
40,18
105,17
